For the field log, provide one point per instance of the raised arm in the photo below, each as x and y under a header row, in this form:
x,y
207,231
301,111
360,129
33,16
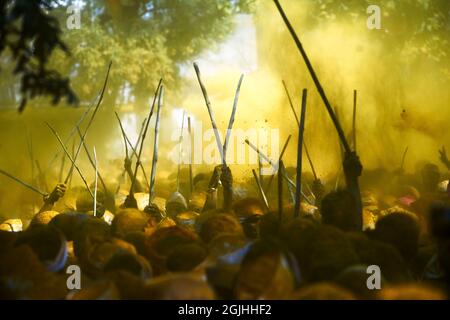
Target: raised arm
x,y
443,157
50,199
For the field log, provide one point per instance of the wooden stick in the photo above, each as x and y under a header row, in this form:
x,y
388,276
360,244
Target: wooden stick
x,y
90,121
298,124
260,190
262,155
125,142
299,155
73,156
314,77
61,170
180,151
92,162
29,139
144,134
42,180
275,167
72,132
26,185
96,182
291,104
70,158
260,170
233,114
155,147
269,184
280,192
355,93
404,158
191,178
133,149
211,114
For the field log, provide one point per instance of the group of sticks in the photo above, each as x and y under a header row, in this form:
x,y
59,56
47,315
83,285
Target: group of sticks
x,y
295,187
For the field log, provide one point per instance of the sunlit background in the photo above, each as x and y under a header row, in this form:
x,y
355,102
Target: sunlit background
x,y
401,73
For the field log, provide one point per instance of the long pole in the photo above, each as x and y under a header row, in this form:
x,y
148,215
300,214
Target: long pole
x,y
26,185
96,182
70,158
299,155
260,189
280,192
298,124
90,122
314,77
92,162
144,134
355,95
276,167
232,117
180,151
133,149
211,114
191,180
155,147
269,184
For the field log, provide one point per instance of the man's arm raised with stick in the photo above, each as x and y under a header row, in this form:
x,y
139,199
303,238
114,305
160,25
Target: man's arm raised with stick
x,y
225,174
352,165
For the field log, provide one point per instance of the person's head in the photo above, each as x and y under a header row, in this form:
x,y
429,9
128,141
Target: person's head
x,y
85,202
339,210
48,243
68,223
200,182
177,286
411,291
249,211
354,279
400,230
322,291
133,263
186,257
131,220
329,252
160,245
175,204
266,272
373,252
219,224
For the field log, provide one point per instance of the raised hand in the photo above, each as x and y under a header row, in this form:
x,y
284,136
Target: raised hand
x,y
227,182
130,202
56,194
443,157
215,178
226,177
352,165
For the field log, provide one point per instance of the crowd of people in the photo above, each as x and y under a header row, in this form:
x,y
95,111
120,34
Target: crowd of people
x,y
216,239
